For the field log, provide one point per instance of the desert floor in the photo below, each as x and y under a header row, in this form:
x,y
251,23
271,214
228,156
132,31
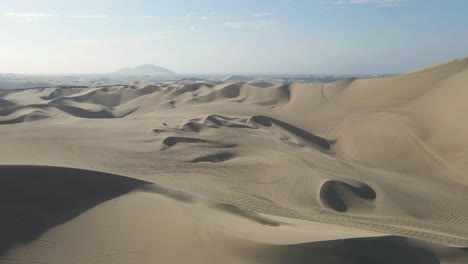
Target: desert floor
x,y
357,171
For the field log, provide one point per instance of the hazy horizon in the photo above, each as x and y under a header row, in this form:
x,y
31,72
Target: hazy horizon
x,y
195,74
242,37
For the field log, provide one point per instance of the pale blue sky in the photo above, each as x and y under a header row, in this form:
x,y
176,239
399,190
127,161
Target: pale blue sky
x,y
236,36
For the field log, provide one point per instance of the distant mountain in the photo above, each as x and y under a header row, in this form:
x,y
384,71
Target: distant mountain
x,y
145,69
237,78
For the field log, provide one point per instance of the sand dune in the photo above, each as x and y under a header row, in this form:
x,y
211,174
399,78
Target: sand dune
x,y
356,171
4,103
36,198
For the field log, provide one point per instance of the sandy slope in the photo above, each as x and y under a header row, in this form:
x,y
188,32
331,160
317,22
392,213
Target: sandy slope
x,y
237,173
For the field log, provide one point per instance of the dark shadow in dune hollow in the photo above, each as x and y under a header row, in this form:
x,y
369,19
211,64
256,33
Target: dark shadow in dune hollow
x,y
214,158
34,199
268,121
335,194
381,250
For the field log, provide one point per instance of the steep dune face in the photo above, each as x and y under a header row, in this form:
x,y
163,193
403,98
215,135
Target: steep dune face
x,y
4,103
36,198
400,123
383,155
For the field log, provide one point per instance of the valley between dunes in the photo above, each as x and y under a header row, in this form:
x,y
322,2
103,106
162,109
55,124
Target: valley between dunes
x,y
356,171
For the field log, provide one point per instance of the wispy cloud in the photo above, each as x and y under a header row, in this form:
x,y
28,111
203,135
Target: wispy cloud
x,y
380,3
232,24
29,16
91,16
259,24
34,16
119,41
263,14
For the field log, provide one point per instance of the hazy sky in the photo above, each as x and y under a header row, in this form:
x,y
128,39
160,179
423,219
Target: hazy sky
x,y
231,36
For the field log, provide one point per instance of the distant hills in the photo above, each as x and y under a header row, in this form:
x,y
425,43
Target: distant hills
x,y
310,78
237,78
144,70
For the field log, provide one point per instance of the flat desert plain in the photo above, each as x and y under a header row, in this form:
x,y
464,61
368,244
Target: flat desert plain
x,y
356,171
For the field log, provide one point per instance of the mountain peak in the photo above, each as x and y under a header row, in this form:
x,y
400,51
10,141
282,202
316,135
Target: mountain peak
x,y
237,78
144,69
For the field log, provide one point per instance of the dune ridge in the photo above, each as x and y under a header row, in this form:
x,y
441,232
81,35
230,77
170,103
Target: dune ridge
x,y
35,198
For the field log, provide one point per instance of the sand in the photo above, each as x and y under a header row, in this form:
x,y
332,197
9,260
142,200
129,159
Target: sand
x,y
357,171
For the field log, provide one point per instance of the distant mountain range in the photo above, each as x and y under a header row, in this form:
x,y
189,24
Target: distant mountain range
x,y
144,70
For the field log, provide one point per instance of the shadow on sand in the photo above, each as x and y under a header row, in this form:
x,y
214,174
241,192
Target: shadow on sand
x,y
34,199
